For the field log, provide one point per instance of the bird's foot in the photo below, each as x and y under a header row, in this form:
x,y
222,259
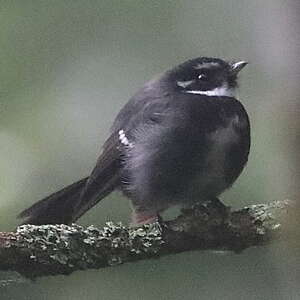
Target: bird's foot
x,y
219,205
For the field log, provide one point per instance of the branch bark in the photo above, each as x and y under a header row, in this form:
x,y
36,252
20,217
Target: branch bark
x,y
60,249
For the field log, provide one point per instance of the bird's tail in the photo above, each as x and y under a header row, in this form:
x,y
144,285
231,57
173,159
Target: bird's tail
x,y
58,208
70,203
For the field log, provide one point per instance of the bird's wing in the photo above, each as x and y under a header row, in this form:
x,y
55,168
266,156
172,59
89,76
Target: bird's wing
x,y
105,177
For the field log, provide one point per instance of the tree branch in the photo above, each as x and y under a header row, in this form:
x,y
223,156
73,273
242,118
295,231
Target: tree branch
x,y
60,249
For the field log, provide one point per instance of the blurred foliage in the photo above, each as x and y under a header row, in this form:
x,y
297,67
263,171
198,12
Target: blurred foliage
x,y
68,66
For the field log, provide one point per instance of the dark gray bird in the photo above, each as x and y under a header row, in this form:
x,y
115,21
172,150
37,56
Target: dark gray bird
x,y
181,138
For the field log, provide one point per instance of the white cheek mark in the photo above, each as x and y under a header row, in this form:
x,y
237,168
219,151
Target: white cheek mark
x,y
123,139
184,84
217,92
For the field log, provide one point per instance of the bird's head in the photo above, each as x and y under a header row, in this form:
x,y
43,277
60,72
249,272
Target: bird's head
x,y
205,76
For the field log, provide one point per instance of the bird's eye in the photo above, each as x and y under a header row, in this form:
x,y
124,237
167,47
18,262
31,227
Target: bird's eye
x,y
203,77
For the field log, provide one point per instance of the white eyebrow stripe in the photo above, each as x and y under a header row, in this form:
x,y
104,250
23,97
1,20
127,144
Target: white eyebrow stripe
x,y
207,65
219,92
184,84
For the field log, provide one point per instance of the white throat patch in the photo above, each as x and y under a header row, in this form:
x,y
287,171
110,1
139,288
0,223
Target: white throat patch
x,y
217,92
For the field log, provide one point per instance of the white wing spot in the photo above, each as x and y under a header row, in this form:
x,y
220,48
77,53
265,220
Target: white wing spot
x,y
123,139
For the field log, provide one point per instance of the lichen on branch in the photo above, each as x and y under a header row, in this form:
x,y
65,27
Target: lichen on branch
x,y
60,249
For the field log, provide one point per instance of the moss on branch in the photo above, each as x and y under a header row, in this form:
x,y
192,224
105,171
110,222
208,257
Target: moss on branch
x,y
60,249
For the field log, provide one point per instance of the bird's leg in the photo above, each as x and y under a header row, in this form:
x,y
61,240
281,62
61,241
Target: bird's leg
x,y
140,218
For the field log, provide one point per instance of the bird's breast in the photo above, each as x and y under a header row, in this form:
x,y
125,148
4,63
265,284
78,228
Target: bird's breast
x,y
200,155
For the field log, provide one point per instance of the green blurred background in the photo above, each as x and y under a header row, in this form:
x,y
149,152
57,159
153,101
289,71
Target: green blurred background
x,y
68,66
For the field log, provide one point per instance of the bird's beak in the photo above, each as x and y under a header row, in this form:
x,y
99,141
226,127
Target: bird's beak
x,y
238,66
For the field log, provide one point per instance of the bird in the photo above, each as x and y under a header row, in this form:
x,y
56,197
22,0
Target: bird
x,y
183,137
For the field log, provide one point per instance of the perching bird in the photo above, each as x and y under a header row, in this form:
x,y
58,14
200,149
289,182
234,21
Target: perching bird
x,y
181,138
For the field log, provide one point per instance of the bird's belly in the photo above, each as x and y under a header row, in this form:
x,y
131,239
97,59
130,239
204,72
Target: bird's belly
x,y
210,178
179,175
215,171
